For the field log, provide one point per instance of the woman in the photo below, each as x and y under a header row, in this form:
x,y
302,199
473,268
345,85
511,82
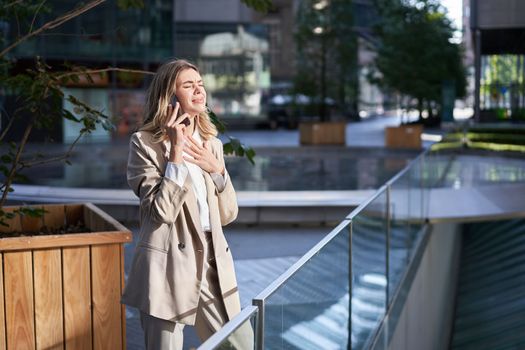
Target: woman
x,y
182,272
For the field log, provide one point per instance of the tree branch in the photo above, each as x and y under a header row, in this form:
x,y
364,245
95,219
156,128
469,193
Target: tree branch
x,y
12,172
6,129
36,13
52,159
13,3
109,69
53,24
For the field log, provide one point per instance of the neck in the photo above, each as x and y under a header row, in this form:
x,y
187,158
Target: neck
x,y
193,124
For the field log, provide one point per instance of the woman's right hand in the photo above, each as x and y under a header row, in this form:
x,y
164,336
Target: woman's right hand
x,y
176,130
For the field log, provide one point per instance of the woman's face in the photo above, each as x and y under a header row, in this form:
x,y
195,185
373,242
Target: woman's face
x,y
190,92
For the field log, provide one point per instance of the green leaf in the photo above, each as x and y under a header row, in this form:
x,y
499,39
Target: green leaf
x,y
31,212
74,78
6,158
4,170
127,4
21,178
235,142
89,78
259,5
216,121
68,115
227,148
234,146
108,125
250,154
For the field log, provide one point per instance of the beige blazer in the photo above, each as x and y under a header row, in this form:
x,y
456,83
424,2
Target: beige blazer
x,y
166,272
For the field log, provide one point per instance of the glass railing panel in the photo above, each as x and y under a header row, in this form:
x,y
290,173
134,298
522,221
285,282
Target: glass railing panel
x,y
310,310
416,196
437,165
426,160
369,270
236,334
401,239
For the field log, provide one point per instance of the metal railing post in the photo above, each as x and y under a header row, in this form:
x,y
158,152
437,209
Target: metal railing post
x,y
350,283
387,243
259,330
423,186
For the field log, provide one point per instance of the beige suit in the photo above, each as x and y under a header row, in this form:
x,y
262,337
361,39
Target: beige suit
x,y
167,270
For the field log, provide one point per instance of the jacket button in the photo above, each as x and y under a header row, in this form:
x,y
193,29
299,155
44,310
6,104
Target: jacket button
x,y
182,246
227,248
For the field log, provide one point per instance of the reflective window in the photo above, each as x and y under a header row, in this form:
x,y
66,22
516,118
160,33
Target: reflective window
x,y
502,87
233,59
105,32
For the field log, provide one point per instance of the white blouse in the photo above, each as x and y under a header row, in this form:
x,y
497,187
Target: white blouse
x,y
178,173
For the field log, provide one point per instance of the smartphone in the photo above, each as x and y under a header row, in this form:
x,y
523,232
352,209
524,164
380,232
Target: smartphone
x,y
173,102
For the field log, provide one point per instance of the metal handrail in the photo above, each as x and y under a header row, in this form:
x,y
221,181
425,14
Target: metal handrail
x,y
231,326
292,270
258,303
407,167
365,204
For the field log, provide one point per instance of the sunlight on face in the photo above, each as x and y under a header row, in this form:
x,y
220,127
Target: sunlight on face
x,y
190,92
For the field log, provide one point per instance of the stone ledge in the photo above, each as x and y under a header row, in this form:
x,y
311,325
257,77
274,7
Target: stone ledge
x,y
271,207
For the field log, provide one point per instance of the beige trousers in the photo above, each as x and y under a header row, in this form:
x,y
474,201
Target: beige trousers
x,y
211,315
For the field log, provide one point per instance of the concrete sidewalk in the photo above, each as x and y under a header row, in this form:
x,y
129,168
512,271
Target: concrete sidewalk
x,y
368,132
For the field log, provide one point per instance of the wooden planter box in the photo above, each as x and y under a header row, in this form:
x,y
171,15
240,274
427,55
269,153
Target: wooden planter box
x,y
327,133
63,291
403,136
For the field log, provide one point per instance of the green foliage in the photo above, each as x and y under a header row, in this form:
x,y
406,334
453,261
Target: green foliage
x,y
127,4
259,5
24,11
234,146
32,212
38,91
415,55
327,53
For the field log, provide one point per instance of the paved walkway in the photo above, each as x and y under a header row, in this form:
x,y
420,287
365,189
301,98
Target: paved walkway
x,y
261,254
366,133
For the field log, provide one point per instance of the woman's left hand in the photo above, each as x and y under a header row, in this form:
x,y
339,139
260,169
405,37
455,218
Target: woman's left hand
x,y
202,156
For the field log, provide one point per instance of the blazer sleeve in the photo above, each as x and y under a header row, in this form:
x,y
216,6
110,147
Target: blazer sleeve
x,y
160,197
228,208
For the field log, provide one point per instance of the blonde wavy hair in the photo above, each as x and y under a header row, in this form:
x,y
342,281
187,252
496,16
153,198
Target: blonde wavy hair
x,y
158,97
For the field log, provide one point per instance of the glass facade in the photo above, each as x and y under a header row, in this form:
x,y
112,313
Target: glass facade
x,y
125,108
233,59
234,63
502,87
105,36
105,33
